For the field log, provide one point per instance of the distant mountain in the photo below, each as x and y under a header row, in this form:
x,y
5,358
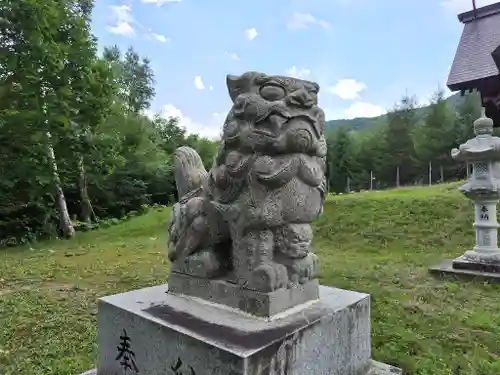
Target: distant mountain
x,y
362,123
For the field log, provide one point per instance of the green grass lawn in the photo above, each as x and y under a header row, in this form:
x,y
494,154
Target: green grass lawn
x,y
375,242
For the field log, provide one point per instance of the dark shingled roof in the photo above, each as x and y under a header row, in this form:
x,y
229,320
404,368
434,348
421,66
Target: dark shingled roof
x,y
480,37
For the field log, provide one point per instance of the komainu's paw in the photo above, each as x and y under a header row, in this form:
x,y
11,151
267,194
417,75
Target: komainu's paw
x,y
305,269
269,277
205,263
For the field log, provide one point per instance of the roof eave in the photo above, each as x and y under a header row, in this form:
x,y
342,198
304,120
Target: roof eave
x,y
482,12
461,86
476,84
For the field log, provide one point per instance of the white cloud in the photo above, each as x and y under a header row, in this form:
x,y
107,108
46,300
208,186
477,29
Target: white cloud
x,y
122,20
251,34
232,56
301,73
211,88
304,20
362,109
347,89
121,28
149,113
211,130
159,37
459,6
198,83
161,2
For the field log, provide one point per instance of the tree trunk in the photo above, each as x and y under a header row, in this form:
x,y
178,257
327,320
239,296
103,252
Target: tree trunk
x,y
65,220
86,207
397,176
441,171
430,173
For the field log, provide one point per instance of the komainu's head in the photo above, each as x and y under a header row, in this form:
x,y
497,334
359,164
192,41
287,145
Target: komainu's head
x,y
273,114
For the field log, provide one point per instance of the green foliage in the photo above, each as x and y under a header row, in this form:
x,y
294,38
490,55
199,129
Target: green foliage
x,y
57,95
134,77
340,159
400,124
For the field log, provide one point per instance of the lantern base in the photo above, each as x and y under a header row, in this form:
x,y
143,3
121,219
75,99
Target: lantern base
x,y
476,261
447,268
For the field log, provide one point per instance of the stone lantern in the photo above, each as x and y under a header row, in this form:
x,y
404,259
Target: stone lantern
x,y
483,188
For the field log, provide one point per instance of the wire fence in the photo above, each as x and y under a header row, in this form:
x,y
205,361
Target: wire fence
x,y
435,176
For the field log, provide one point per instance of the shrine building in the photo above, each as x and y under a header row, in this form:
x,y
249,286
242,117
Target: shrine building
x,y
476,65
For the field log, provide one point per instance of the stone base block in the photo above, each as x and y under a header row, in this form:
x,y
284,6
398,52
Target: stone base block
x,y
463,263
247,300
151,332
376,368
449,268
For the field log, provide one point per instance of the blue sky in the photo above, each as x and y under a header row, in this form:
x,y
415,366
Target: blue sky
x,y
365,54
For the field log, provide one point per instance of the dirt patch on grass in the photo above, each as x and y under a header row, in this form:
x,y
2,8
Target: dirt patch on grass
x,y
5,291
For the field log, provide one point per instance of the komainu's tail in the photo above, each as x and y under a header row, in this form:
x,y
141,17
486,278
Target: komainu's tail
x,y
190,174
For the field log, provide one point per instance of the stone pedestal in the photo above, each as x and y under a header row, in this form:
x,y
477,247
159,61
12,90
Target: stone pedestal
x,y
483,261
247,300
151,332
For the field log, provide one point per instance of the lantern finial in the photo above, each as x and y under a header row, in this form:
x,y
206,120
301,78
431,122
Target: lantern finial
x,y
483,125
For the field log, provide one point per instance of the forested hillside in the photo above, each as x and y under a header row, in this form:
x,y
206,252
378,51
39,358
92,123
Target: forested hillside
x,y
76,150
409,145
364,123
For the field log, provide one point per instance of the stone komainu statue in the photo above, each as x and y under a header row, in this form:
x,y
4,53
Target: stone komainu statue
x,y
248,219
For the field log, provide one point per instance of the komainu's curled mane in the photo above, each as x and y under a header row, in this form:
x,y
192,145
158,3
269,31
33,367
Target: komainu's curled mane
x,y
190,173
